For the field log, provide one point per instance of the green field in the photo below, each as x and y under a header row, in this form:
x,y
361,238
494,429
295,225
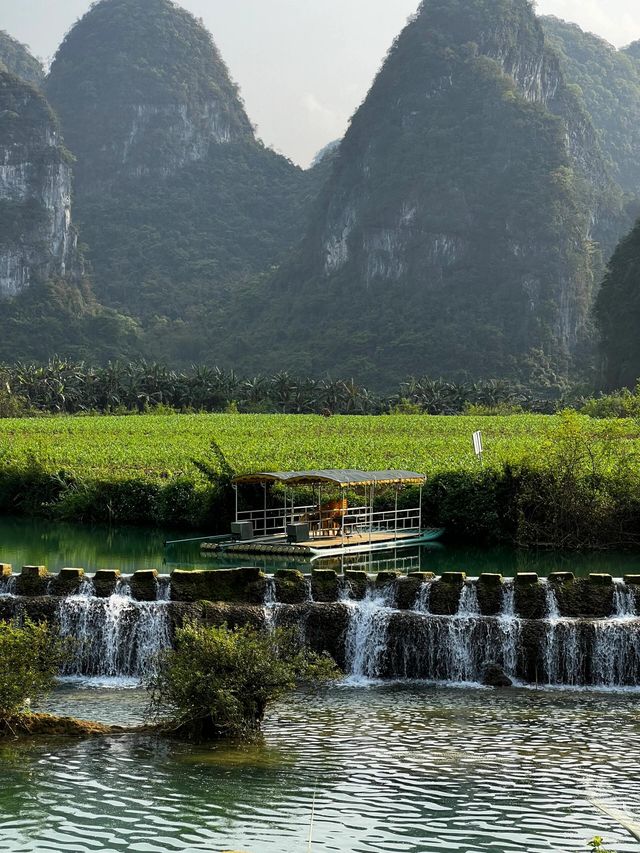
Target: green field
x,y
157,448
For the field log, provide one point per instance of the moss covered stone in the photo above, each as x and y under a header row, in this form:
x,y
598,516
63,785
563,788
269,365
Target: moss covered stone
x,y
33,581
66,582
601,579
489,590
324,585
291,586
144,584
105,582
444,597
561,577
457,578
6,570
408,587
634,580
531,599
526,579
227,585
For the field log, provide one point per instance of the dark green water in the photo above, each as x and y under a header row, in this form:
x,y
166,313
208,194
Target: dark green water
x,y
412,769
36,542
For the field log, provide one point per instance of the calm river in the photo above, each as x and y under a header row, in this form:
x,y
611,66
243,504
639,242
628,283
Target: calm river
x,y
56,545
409,769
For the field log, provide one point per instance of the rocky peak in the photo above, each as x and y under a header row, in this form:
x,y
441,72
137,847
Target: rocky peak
x,y
16,58
141,88
36,237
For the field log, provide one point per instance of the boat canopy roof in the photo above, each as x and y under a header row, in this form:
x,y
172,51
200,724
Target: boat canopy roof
x,y
340,477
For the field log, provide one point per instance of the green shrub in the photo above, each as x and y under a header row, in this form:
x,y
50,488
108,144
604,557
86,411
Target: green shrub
x,y
30,659
218,682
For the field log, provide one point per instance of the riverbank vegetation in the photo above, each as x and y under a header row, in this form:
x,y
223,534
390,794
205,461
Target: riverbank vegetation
x,y
31,656
564,481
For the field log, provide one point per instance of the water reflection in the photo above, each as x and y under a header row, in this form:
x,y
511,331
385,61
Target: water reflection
x,y
38,542
414,769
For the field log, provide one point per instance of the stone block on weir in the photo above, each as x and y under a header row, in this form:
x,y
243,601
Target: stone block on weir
x,y
105,582
32,581
601,579
457,578
291,586
67,582
490,579
561,577
324,585
526,579
144,584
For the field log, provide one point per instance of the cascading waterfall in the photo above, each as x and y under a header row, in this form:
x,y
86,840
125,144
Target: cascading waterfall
x,y
624,602
423,598
115,636
457,648
616,641
510,627
270,604
366,639
8,585
163,589
563,649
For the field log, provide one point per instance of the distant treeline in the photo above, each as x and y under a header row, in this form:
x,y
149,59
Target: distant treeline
x,y
67,387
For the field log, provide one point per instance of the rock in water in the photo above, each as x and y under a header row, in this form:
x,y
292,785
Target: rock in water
x,y
495,676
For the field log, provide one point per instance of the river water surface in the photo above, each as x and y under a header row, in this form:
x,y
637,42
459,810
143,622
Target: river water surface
x,y
394,769
44,543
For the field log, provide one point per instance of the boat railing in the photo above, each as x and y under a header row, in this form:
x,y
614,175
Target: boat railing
x,y
274,520
360,520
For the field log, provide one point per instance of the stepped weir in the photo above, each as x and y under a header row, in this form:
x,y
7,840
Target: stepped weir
x,y
555,631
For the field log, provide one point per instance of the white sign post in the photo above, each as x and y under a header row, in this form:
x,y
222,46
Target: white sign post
x,y
477,446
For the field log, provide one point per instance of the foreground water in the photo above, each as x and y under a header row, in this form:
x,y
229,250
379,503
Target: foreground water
x,y
38,542
408,769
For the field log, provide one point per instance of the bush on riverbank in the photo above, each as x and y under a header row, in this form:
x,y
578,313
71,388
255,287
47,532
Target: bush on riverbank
x,y
217,682
30,659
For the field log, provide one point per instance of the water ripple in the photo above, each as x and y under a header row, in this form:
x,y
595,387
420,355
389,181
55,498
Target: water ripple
x,y
410,769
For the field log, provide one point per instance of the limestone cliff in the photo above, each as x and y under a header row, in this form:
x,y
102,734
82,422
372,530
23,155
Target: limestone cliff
x,y
37,241
141,89
15,57
459,231
177,200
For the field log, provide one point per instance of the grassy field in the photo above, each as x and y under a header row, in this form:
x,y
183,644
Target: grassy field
x,y
157,448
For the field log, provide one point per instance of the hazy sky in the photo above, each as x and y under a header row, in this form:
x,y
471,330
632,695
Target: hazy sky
x,y
303,65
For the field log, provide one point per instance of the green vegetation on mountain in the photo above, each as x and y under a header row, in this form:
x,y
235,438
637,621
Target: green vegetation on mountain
x,y
455,234
171,251
607,81
141,88
16,58
618,311
195,206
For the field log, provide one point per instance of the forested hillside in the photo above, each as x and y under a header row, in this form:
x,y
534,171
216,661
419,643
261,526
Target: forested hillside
x,y
16,58
176,200
460,230
607,81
